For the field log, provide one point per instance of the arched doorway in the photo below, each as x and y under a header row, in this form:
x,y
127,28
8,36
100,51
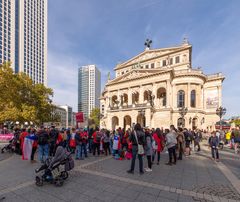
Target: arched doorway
x,y
181,122
161,97
194,123
141,120
115,122
127,122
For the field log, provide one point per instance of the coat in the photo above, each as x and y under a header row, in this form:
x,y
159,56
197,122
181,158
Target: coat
x,y
159,141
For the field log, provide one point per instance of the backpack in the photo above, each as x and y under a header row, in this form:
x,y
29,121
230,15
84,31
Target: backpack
x,y
42,139
98,137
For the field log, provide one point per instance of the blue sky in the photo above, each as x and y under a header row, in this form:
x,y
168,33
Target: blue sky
x,y
106,32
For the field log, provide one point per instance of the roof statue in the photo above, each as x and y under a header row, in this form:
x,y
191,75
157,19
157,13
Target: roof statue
x,y
147,44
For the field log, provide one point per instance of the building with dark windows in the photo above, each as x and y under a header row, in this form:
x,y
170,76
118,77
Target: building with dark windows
x,y
159,87
89,89
23,37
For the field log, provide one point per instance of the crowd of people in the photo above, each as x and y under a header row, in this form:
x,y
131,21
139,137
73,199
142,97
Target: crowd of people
x,y
123,144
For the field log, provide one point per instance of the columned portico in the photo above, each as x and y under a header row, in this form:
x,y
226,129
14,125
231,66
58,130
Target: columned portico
x,y
153,95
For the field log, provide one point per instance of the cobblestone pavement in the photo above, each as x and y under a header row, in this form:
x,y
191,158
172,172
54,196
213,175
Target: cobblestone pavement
x,y
196,178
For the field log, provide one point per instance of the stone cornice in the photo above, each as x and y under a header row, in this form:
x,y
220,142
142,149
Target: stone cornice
x,y
148,73
170,50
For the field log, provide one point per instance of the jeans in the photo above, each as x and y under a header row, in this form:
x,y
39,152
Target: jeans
x,y
158,156
33,153
215,150
52,148
172,153
90,145
149,162
106,148
134,154
96,146
83,150
42,152
180,150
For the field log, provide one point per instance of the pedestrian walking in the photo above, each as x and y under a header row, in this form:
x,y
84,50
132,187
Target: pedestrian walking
x,y
106,142
97,136
158,144
137,138
180,142
43,148
149,151
171,141
214,143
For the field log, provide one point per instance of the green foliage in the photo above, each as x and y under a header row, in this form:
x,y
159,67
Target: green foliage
x,y
22,100
236,121
95,116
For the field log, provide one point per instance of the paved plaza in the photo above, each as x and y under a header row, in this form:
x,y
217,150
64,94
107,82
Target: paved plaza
x,y
196,178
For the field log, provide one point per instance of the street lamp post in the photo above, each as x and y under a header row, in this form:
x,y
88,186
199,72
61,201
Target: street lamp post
x,y
221,111
183,111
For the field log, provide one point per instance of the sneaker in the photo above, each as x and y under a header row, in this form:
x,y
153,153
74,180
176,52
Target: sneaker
x,y
148,170
130,171
168,164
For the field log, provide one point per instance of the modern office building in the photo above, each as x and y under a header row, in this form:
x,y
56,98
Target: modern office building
x,y
69,111
89,89
7,31
23,37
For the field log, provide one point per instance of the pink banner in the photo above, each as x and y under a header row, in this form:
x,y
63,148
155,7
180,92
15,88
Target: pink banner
x,y
6,137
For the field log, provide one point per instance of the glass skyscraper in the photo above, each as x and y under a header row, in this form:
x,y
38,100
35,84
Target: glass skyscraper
x,y
89,89
23,37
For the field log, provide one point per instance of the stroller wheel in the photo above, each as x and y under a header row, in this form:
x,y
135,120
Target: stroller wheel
x,y
38,181
58,182
64,175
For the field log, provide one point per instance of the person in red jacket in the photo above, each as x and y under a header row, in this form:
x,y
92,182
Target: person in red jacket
x,y
96,141
22,137
159,144
34,147
84,137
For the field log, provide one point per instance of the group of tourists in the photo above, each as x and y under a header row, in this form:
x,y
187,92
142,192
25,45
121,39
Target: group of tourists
x,y
132,143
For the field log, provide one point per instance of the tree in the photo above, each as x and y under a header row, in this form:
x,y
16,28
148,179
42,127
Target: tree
x,y
22,100
236,121
95,116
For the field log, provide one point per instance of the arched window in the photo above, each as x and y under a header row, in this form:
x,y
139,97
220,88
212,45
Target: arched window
x,y
181,99
193,98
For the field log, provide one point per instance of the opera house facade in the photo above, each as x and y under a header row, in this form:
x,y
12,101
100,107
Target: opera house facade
x,y
159,87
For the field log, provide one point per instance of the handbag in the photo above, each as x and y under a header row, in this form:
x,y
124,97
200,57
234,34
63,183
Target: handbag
x,y
72,143
140,147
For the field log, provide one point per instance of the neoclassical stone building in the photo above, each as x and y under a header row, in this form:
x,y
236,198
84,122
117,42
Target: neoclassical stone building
x,y
153,88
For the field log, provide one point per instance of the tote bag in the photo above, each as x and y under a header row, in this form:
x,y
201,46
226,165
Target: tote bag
x,y
140,147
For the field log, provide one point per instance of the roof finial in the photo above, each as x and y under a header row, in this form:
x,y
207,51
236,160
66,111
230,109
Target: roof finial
x,y
185,41
147,44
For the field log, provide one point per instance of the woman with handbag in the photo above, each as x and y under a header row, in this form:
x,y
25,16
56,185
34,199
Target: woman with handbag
x,y
137,138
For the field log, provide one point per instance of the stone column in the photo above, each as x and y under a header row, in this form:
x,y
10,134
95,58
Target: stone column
x,y
130,96
148,117
121,121
168,94
174,96
154,93
219,95
188,96
141,95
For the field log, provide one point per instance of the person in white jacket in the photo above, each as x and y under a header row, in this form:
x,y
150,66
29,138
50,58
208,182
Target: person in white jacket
x,y
171,141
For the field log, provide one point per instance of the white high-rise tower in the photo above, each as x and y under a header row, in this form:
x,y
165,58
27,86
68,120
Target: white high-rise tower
x,y
89,89
23,37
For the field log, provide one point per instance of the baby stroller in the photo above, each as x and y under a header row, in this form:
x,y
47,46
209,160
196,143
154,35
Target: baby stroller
x,y
10,147
55,170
